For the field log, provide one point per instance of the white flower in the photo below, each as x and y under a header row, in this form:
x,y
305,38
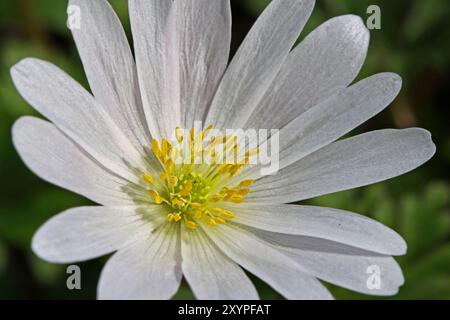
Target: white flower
x,y
168,220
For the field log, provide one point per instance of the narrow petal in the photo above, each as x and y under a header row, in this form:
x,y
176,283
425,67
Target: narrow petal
x,y
324,223
55,158
157,57
331,119
351,163
327,61
258,61
110,67
268,263
204,29
347,267
147,270
73,110
337,116
89,232
210,274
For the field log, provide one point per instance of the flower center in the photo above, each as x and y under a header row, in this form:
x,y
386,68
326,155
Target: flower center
x,y
196,172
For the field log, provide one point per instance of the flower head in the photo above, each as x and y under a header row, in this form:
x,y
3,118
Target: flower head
x,y
171,202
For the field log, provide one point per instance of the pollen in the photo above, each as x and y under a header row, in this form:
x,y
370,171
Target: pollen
x,y
194,191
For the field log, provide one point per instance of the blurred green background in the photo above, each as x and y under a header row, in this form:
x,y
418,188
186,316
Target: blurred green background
x,y
413,42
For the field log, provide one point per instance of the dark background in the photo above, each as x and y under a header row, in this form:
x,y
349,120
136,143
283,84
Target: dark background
x,y
414,42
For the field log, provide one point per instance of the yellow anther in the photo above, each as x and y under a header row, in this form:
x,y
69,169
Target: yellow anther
x,y
237,199
168,165
216,197
156,197
225,213
170,217
247,183
196,205
217,211
186,189
163,176
173,181
191,225
177,217
155,148
219,220
198,214
208,130
179,134
165,147
244,192
211,222
228,214
177,202
148,178
191,134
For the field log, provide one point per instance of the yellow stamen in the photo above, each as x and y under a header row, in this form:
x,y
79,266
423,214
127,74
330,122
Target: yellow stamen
x,y
186,189
155,148
247,183
211,222
198,214
148,178
191,225
196,205
237,199
156,197
173,181
179,134
219,220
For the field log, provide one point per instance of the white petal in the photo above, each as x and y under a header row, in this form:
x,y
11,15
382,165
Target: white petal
x,y
204,29
157,57
55,158
258,61
88,232
267,263
210,274
324,223
350,163
149,269
110,67
331,119
326,62
73,110
337,116
344,266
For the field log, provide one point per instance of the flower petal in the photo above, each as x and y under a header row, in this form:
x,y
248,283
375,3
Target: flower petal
x,y
258,61
267,263
110,67
73,110
324,223
157,57
358,161
55,158
324,63
330,119
149,269
341,265
89,232
210,274
204,29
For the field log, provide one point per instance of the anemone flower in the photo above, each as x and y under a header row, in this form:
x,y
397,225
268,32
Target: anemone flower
x,y
208,221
